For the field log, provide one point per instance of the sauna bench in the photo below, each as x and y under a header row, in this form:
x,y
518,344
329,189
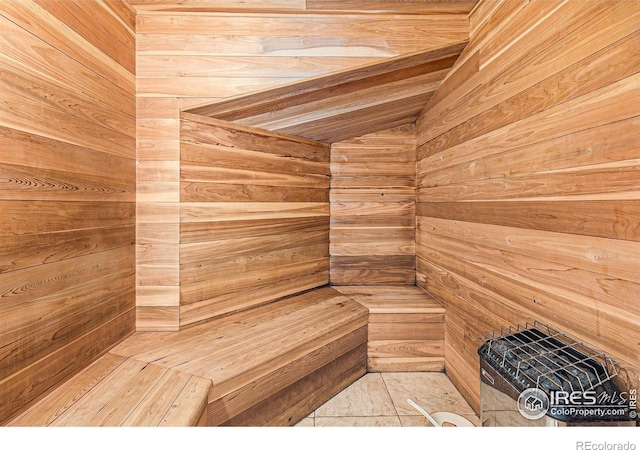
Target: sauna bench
x,y
118,391
406,328
270,365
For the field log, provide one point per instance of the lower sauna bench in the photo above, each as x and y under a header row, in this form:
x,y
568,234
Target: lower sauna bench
x,y
117,391
406,328
270,365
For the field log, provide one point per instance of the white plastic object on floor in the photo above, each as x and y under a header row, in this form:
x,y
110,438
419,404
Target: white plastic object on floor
x,y
440,418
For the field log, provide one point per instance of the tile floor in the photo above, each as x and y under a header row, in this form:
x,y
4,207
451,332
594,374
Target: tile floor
x,y
380,400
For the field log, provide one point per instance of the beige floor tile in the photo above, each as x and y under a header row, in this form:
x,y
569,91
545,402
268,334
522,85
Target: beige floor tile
x,y
431,390
473,419
418,421
306,422
368,396
412,421
379,421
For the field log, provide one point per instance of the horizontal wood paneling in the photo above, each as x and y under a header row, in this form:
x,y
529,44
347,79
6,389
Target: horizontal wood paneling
x,y
268,196
211,66
203,5
406,328
20,389
67,195
447,26
527,180
200,52
397,6
373,208
587,218
291,45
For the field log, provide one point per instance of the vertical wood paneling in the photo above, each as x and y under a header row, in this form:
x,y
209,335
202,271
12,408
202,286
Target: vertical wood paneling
x,y
528,180
187,58
67,193
373,208
254,217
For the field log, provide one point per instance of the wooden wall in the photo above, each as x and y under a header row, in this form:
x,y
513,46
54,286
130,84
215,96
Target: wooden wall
x,y
373,208
187,58
254,217
67,190
345,6
528,179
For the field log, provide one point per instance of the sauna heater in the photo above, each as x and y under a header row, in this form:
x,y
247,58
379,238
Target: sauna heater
x,y
533,375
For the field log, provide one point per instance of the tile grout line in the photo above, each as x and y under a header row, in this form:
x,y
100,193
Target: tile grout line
x,y
391,398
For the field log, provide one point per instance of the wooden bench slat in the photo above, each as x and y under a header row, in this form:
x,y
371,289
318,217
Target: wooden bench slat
x,y
393,299
204,350
254,355
153,345
406,328
225,371
158,400
61,399
223,407
87,406
287,359
196,393
278,337
125,400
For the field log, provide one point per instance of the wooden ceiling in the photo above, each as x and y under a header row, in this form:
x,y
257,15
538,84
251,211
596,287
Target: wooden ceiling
x,y
344,104
340,6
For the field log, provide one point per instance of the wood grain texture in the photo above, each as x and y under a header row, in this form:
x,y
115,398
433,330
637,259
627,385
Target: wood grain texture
x,y
293,403
78,50
295,353
401,6
406,328
588,218
527,180
196,53
116,391
373,208
234,177
396,7
346,104
109,35
124,11
20,390
67,195
214,5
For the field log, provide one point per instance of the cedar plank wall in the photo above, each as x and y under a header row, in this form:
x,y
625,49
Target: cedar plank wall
x,y
254,217
67,229
186,59
373,209
528,179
